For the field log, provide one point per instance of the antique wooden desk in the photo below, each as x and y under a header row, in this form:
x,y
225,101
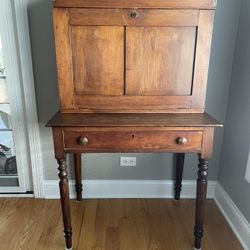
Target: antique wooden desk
x,y
132,77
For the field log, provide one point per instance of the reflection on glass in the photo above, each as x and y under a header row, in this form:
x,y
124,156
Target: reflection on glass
x,y
8,166
1,58
5,118
7,155
3,90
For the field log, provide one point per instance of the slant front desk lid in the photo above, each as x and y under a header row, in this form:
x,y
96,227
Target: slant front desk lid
x,y
133,56
188,4
133,120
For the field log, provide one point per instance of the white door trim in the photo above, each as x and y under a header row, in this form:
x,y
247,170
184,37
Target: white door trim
x,y
17,54
21,8
11,60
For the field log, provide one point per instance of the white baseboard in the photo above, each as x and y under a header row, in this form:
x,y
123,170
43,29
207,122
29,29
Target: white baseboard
x,y
17,195
234,217
128,189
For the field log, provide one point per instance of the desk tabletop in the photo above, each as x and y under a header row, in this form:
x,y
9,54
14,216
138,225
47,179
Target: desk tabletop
x,y
132,120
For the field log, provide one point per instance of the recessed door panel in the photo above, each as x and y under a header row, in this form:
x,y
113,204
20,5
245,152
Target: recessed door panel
x,y
98,60
160,60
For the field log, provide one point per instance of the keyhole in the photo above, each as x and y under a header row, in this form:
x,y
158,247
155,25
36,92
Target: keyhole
x,y
133,136
133,14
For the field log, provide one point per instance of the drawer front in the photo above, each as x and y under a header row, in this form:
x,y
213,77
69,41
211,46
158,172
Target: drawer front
x,y
133,141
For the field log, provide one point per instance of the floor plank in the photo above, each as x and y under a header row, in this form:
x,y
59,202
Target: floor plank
x,y
118,224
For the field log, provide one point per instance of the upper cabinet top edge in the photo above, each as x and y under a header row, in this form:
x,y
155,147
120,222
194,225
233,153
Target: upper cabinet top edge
x,y
165,4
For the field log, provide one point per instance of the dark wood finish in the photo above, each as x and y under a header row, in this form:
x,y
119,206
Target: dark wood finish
x,y
180,157
200,201
63,185
133,120
160,61
78,176
64,193
171,4
134,140
207,143
142,17
80,133
134,73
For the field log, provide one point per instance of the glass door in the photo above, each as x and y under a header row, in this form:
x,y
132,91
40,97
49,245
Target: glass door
x,y
8,163
11,179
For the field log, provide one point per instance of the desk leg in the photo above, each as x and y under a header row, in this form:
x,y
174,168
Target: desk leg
x,y
179,172
78,176
65,202
200,201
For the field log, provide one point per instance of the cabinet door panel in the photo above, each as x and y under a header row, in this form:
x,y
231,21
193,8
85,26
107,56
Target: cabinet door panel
x,y
160,60
98,60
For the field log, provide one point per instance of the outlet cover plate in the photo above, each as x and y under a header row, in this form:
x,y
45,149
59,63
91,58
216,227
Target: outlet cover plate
x,y
127,161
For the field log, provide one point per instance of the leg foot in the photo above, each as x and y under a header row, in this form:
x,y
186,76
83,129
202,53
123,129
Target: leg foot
x,y
78,176
65,202
179,173
200,201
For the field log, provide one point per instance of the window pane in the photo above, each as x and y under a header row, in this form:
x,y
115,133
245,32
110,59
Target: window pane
x,y
7,154
3,90
5,118
1,59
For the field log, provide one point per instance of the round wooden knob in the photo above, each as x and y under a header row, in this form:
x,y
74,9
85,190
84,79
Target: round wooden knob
x,y
133,14
182,141
83,141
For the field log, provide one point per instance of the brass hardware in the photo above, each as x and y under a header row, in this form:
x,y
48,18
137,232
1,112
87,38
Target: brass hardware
x,y
133,14
182,141
83,141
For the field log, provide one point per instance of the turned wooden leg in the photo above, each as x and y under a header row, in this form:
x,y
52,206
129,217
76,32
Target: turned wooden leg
x,y
200,201
78,176
65,202
179,173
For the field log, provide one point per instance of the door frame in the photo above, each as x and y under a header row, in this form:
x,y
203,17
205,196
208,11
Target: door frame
x,y
17,54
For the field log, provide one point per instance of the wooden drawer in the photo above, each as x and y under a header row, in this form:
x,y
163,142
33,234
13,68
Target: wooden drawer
x,y
111,140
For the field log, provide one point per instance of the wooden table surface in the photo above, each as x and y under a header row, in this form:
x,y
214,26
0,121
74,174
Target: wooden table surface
x,y
133,120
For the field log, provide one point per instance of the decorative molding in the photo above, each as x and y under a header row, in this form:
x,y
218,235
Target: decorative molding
x,y
93,189
234,217
29,96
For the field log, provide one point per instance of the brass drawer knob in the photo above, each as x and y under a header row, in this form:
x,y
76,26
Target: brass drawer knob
x,y
133,14
83,141
182,141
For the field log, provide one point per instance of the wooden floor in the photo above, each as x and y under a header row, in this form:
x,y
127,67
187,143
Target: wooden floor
x,y
130,224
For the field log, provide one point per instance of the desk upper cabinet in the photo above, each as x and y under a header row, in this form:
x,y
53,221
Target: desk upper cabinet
x,y
133,56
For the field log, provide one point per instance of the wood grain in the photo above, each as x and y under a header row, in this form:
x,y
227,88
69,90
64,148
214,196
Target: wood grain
x,y
207,143
133,120
160,60
111,225
132,104
98,60
189,4
204,38
103,70
132,141
63,58
122,17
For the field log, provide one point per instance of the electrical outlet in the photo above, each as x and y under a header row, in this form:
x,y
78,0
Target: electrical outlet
x,y
128,161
